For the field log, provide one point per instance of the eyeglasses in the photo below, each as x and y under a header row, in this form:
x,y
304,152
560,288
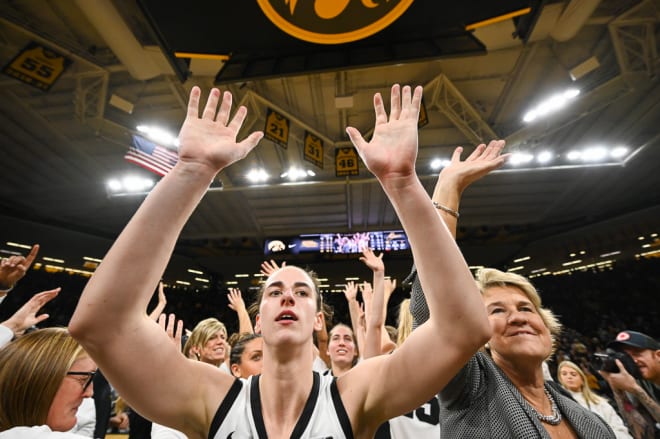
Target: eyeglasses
x,y
88,380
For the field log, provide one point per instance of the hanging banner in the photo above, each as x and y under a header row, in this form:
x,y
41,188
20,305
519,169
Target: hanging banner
x,y
346,162
37,66
277,128
313,149
333,21
423,116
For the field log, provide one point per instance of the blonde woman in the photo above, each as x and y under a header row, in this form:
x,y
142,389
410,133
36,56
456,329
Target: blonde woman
x,y
405,322
44,377
208,343
575,381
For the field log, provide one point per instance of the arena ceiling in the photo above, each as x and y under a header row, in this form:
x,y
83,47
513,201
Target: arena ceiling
x,y
126,63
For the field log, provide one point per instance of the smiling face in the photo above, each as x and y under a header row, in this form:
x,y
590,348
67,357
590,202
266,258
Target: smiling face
x,y
69,396
570,378
341,346
214,350
519,332
288,309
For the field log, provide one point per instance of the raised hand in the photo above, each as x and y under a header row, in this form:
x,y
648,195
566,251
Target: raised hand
x,y
367,296
210,140
236,301
172,327
160,306
390,286
372,261
269,267
350,291
392,151
482,160
13,268
27,316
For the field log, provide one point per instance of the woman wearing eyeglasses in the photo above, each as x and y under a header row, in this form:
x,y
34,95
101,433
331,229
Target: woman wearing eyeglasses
x,y
44,377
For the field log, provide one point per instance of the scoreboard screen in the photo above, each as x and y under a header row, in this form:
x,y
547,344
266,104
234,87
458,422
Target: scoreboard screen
x,y
339,243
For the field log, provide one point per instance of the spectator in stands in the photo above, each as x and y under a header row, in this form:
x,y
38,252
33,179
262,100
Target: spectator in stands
x,y
638,401
208,342
572,377
246,355
341,350
13,269
44,376
26,316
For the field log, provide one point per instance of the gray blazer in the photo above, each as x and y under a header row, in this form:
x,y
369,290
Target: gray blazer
x,y
481,402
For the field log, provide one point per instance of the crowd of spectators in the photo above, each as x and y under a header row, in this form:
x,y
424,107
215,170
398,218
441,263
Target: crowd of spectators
x,y
593,305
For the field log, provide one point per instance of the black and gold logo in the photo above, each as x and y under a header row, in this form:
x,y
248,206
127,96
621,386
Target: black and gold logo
x,y
333,21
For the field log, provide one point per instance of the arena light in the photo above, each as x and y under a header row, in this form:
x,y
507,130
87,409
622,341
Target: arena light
x,y
159,135
439,163
544,157
294,174
520,158
129,184
594,154
258,175
551,105
619,152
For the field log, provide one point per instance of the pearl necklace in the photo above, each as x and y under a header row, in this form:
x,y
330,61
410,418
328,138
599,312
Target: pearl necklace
x,y
553,419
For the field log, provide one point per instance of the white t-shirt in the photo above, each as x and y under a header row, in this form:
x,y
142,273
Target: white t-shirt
x,y
86,418
607,412
40,432
6,335
161,432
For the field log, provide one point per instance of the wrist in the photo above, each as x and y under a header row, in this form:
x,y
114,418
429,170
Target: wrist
x,y
12,326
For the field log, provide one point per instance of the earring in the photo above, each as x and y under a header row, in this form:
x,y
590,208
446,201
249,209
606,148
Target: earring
x,y
487,346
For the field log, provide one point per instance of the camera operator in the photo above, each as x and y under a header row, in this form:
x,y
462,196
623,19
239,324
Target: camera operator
x,y
638,400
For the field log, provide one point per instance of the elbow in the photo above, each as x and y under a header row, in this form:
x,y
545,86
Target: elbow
x,y
485,333
82,325
77,326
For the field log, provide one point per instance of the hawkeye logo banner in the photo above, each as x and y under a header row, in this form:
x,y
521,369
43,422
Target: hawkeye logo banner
x,y
333,21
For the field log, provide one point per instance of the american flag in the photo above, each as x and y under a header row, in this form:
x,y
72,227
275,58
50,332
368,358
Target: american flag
x,y
150,156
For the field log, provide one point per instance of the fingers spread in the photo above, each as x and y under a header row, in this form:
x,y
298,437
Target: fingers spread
x,y
193,103
356,137
238,119
379,108
395,102
225,108
211,105
476,153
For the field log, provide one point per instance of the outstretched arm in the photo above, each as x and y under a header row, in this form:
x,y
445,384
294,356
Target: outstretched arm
x,y
26,315
162,385
350,292
237,303
458,319
458,175
377,309
452,181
